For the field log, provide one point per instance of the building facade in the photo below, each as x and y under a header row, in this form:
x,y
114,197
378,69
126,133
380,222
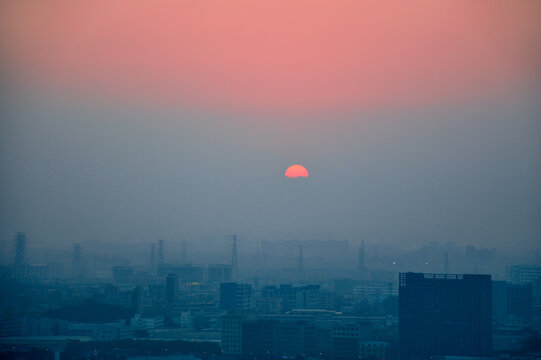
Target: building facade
x,y
444,314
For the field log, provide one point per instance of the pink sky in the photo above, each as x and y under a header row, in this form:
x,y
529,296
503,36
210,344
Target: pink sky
x,y
274,55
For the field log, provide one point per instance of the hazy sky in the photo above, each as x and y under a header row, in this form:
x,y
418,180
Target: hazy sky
x,y
132,120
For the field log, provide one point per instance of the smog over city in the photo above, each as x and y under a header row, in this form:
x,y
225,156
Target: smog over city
x,y
270,180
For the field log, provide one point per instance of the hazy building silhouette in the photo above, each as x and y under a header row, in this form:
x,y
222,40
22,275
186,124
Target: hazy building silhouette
x,y
446,264
188,274
76,259
232,333
20,248
153,256
514,300
234,260
258,256
522,274
300,265
279,338
218,273
258,337
361,262
183,252
444,315
234,296
137,300
345,341
172,288
160,252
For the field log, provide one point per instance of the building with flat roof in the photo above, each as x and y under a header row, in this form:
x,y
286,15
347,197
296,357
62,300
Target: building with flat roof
x,y
442,314
235,296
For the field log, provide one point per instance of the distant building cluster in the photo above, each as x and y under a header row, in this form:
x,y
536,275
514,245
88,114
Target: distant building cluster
x,y
362,311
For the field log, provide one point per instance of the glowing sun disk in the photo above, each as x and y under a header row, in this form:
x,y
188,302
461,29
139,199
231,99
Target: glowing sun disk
x,y
295,171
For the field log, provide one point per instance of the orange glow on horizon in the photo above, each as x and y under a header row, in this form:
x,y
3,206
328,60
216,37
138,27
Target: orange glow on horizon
x,y
295,171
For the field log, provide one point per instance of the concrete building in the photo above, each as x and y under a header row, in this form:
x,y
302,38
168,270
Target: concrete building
x,y
445,314
522,274
232,334
374,349
235,296
172,288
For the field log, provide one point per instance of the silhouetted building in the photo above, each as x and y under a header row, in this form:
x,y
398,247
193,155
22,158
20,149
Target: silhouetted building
x,y
279,338
232,333
76,260
20,248
187,273
234,296
258,337
300,264
160,252
512,307
298,297
218,273
234,260
511,300
345,341
183,253
258,257
522,274
153,256
443,315
374,349
361,262
137,300
41,272
172,287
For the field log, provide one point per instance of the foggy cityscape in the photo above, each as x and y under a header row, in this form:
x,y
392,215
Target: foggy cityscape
x,y
270,180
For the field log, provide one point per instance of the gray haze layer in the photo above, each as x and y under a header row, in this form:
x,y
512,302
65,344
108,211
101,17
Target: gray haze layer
x,y
74,172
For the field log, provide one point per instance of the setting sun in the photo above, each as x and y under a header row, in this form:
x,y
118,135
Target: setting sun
x,y
295,171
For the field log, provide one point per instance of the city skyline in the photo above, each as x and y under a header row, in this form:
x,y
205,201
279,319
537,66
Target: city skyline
x,y
271,179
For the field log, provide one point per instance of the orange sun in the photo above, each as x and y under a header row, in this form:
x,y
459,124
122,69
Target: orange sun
x,y
295,171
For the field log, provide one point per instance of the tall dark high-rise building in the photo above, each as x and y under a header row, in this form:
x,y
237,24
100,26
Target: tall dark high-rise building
x,y
444,315
172,287
20,248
